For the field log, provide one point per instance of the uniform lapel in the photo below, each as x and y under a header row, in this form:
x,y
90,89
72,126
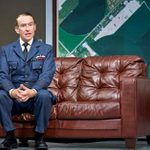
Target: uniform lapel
x,y
33,50
17,49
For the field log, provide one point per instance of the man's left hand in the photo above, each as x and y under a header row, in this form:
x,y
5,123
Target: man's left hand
x,y
26,93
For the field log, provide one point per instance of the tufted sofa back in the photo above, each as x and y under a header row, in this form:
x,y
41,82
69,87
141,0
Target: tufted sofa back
x,y
94,78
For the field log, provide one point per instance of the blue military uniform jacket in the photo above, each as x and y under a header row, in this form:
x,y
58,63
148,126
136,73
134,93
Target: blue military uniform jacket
x,y
35,72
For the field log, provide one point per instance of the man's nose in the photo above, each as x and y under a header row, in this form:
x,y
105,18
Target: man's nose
x,y
27,27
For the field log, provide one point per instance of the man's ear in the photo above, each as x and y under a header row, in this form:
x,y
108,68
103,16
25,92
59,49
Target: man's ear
x,y
16,29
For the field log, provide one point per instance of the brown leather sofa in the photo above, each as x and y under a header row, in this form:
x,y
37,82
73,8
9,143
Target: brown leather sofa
x,y
97,97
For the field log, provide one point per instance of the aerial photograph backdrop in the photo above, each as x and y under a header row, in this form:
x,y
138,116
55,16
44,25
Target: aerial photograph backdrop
x,y
103,27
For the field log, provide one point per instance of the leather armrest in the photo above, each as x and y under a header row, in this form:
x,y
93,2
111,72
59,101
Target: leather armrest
x,y
135,106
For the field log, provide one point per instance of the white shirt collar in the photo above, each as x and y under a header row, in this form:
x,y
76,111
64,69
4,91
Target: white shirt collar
x,y
30,42
22,42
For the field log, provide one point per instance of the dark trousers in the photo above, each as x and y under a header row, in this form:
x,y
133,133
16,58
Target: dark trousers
x,y
40,106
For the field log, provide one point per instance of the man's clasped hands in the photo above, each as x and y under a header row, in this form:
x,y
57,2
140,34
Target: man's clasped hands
x,y
22,93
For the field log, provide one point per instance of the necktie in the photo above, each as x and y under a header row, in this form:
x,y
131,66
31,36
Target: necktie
x,y
25,52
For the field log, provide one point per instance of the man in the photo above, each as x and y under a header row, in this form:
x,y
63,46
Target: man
x,y
24,80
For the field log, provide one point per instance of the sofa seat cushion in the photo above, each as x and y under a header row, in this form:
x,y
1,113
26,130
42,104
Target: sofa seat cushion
x,y
24,117
28,117
88,110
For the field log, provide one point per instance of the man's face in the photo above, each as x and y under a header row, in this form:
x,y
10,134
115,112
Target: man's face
x,y
26,28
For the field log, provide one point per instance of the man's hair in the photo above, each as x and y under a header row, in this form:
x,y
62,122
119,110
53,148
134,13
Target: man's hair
x,y
23,14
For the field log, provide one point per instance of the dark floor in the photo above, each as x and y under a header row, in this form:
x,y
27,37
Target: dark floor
x,y
88,145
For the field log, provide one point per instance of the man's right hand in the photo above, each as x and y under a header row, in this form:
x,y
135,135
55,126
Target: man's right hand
x,y
16,94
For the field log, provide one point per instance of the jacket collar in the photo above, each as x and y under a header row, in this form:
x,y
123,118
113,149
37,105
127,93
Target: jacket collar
x,y
33,50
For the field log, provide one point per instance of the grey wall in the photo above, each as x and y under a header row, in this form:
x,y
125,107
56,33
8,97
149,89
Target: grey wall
x,y
9,9
49,19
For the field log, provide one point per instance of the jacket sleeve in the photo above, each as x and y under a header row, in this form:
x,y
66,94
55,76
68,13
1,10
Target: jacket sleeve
x,y
5,78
